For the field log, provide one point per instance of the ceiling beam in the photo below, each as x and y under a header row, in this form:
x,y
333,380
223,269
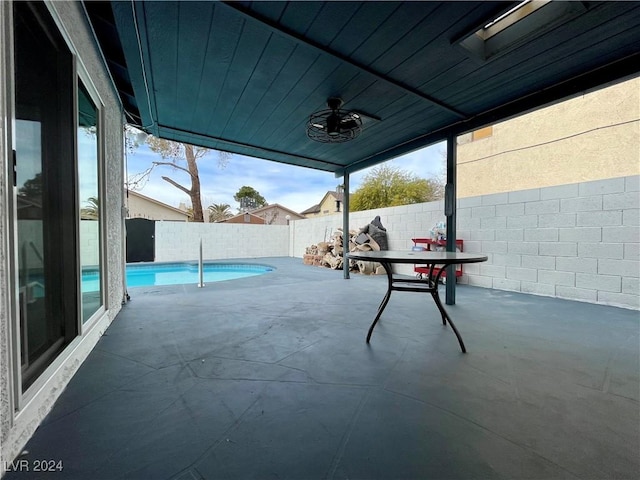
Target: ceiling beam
x,y
322,164
300,39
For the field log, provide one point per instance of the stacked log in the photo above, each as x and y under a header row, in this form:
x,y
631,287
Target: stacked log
x,y
330,254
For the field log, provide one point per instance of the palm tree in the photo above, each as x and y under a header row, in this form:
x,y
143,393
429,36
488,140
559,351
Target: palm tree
x,y
92,210
219,211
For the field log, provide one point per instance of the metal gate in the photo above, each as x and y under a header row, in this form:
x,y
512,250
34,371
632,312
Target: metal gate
x,y
140,240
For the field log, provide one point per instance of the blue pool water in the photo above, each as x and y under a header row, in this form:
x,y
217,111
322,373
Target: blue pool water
x,y
146,275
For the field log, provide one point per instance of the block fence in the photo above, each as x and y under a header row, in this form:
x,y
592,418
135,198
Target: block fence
x,y
577,241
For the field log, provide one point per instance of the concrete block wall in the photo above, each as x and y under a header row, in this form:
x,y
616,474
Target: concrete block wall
x,y
578,241
179,241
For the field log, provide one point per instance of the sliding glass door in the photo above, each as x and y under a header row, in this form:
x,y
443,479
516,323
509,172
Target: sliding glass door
x,y
89,196
45,186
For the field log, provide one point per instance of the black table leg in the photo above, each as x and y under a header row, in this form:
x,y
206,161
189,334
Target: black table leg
x,y
443,312
385,300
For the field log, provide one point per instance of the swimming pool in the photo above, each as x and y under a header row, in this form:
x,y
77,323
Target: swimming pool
x,y
147,275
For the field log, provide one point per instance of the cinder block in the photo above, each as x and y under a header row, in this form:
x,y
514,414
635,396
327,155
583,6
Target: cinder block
x,y
631,217
619,299
496,271
519,273
506,259
625,268
480,281
622,234
471,246
469,223
510,234
434,206
581,204
495,199
632,183
631,286
602,187
559,191
531,195
484,211
541,234
599,219
621,201
525,221
601,250
494,247
468,202
608,283
559,249
544,206
523,248
557,220
484,235
538,289
632,251
538,262
493,222
577,265
506,284
572,293
463,213
471,269
577,234
510,210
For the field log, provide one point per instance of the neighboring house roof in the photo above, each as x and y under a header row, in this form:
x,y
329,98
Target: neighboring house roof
x,y
131,193
314,209
240,218
338,196
277,205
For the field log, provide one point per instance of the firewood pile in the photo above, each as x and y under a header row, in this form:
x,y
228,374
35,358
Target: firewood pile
x,y
329,254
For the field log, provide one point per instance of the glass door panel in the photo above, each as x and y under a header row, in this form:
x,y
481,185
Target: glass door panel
x,y
88,182
45,186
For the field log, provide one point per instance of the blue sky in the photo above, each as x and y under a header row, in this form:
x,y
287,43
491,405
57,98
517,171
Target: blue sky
x,y
296,188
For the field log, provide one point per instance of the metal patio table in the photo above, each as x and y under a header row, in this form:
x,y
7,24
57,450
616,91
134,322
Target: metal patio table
x,y
429,284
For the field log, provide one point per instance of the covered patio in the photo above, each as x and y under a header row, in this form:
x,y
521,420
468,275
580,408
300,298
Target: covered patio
x,y
270,377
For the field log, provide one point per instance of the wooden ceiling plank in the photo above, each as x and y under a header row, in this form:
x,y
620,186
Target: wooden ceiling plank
x,y
280,29
274,57
195,27
161,61
250,47
221,48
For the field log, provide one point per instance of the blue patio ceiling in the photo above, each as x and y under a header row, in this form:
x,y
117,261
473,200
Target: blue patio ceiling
x,y
245,76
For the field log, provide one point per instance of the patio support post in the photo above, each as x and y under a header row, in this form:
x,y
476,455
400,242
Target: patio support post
x,y
450,213
345,227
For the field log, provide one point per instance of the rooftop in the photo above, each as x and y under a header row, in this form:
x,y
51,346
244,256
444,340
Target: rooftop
x,y
270,377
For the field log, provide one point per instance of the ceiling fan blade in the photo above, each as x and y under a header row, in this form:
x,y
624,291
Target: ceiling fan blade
x,y
348,124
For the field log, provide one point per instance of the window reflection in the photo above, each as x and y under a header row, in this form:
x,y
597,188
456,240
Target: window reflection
x,y
89,199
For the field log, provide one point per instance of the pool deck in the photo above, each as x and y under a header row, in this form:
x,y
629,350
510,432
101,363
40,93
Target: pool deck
x,y
270,377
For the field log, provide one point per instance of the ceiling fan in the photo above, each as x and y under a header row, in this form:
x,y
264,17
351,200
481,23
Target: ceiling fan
x,y
334,125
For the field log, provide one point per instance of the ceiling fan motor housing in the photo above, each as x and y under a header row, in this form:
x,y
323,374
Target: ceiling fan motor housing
x,y
334,125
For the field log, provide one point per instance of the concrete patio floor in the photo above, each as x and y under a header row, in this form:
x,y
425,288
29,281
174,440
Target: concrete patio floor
x,y
270,377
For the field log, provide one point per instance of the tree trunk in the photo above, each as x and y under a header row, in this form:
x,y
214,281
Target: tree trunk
x,y
194,193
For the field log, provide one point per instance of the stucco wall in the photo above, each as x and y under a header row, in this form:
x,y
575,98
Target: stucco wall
x,y
16,428
578,241
594,136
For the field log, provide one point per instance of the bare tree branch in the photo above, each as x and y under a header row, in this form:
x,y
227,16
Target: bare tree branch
x,y
174,165
177,185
